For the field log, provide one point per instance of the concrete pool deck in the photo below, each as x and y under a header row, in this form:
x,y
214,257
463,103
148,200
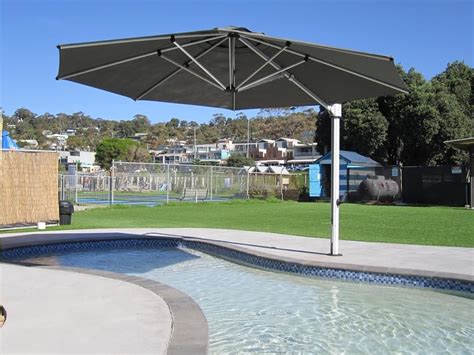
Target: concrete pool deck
x,y
70,302
431,261
55,311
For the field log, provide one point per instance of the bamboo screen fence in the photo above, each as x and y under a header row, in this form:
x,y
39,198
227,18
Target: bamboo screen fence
x,y
28,187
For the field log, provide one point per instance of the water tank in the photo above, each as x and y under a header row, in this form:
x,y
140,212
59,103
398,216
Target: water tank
x,y
376,187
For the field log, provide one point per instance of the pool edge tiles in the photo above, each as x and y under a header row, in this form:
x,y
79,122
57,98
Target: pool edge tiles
x,y
272,263
247,257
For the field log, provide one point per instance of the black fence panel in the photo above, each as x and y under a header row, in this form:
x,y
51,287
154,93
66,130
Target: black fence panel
x,y
438,185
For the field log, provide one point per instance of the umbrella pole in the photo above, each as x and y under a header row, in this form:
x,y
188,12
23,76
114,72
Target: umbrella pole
x,y
336,114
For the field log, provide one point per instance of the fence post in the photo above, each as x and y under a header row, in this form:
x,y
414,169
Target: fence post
x,y
111,183
400,171
281,184
168,183
211,181
248,184
76,182
348,185
62,188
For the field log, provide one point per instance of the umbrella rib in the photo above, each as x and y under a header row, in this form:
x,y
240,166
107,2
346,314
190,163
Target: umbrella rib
x,y
197,63
289,76
230,62
308,92
262,81
133,40
232,67
104,66
275,74
136,57
262,66
172,74
342,50
338,67
188,44
190,71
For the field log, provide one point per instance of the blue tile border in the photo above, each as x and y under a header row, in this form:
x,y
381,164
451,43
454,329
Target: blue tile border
x,y
247,258
44,249
334,273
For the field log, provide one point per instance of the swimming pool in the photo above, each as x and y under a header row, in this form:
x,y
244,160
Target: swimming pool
x,y
251,310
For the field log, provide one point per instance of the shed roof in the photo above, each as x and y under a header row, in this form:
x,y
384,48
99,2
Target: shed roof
x,y
262,168
287,139
350,158
276,169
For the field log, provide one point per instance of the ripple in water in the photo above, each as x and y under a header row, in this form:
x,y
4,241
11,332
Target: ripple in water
x,y
250,310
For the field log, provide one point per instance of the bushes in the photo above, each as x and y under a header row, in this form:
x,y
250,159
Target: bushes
x,y
262,192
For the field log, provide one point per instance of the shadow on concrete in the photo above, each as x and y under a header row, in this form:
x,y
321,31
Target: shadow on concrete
x,y
234,243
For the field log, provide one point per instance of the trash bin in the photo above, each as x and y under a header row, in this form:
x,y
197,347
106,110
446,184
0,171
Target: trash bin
x,y
66,210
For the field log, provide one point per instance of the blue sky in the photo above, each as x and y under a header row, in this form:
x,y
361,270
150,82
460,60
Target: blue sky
x,y
418,33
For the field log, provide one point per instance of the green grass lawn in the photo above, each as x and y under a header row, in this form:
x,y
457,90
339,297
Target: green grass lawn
x,y
393,224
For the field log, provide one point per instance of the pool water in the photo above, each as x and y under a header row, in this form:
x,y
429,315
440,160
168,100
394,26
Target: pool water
x,y
250,310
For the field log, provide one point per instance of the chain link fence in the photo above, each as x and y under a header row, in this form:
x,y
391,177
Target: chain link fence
x,y
85,188
152,184
180,182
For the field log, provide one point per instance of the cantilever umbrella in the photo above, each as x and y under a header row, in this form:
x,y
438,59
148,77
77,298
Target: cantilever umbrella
x,y
236,69
7,142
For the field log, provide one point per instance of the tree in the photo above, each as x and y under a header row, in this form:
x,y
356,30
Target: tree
x,y
407,129
364,129
420,122
137,153
457,79
23,114
141,123
218,120
77,143
173,123
119,149
454,123
323,131
410,128
236,160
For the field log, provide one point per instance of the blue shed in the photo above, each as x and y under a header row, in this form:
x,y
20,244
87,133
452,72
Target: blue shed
x,y
320,172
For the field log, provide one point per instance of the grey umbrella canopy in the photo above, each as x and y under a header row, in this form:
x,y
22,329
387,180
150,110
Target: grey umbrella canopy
x,y
236,69
231,68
